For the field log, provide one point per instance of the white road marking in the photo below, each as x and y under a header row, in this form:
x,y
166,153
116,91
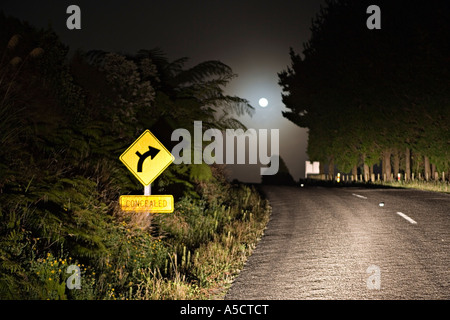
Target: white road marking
x,y
406,217
359,196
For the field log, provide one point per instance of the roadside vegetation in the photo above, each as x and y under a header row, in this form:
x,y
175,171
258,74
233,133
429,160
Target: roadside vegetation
x,y
64,121
437,186
431,185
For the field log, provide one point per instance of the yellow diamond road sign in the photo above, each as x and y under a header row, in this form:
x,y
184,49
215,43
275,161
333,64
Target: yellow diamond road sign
x,y
147,158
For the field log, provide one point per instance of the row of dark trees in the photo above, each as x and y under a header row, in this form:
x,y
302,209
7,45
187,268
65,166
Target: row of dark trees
x,y
375,96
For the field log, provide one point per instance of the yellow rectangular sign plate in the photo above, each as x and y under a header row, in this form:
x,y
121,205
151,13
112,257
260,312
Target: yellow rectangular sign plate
x,y
153,203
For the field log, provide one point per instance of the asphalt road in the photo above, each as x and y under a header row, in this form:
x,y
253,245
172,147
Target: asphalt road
x,y
339,243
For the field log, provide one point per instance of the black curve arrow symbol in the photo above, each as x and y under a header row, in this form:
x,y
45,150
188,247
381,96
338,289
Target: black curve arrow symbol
x,y
152,152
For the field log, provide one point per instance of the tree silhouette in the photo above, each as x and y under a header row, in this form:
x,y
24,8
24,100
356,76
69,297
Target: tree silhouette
x,y
282,177
371,95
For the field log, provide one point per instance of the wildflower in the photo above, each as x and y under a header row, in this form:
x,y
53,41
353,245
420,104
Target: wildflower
x,y
13,41
36,52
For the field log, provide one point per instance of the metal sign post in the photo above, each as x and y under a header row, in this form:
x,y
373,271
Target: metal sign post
x,y
147,192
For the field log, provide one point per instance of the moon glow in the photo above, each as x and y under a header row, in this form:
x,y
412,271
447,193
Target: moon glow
x,y
263,102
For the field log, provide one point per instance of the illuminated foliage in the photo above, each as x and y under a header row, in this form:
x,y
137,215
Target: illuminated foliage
x,y
63,125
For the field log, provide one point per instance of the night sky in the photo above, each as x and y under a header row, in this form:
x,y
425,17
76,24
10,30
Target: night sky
x,y
252,37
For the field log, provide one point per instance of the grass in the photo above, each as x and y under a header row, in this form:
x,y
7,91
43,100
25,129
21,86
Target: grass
x,y
419,184
211,245
193,253
432,185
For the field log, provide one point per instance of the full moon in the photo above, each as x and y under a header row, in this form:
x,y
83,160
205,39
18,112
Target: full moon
x,y
263,102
